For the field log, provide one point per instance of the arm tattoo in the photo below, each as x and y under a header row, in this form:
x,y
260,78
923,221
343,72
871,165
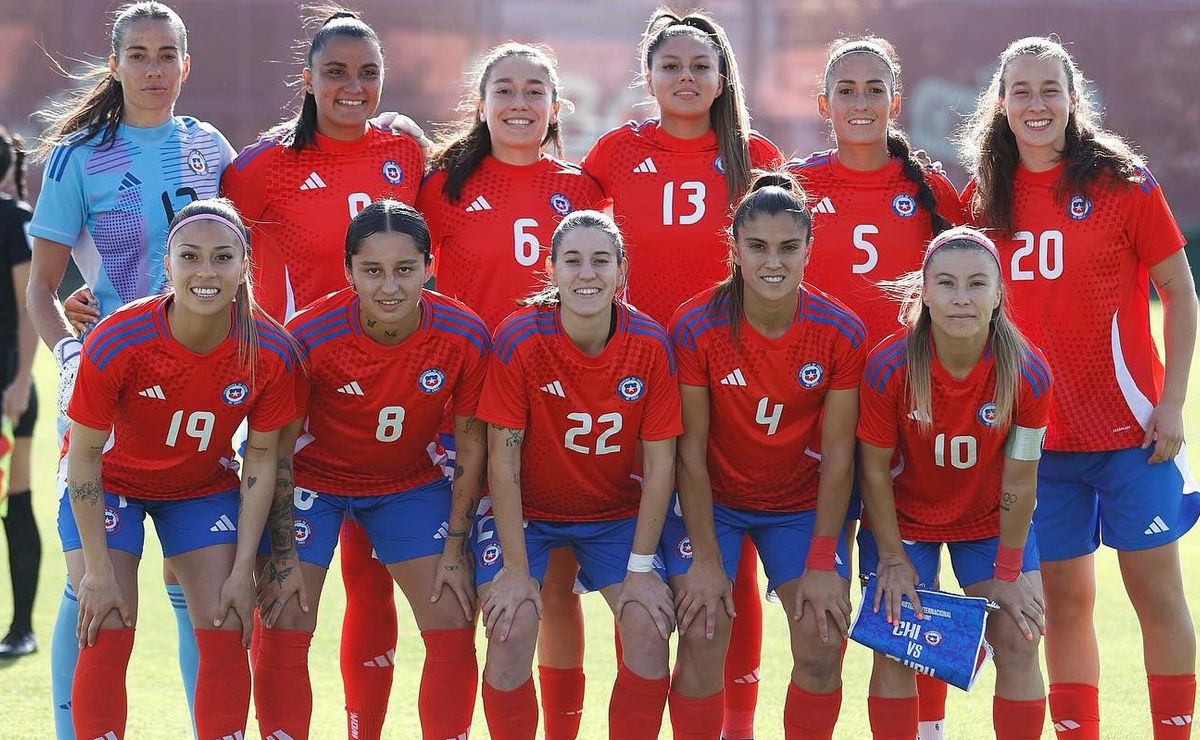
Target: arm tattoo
x,y
279,518
470,423
87,492
515,436
277,575
250,481
1008,500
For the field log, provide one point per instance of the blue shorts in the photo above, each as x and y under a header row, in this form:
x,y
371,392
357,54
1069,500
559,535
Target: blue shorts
x,y
182,525
974,561
602,549
402,526
1085,498
781,538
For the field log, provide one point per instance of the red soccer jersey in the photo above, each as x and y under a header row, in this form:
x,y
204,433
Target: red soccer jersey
x,y
491,246
583,416
948,485
1077,273
671,204
372,410
298,205
867,227
173,412
766,395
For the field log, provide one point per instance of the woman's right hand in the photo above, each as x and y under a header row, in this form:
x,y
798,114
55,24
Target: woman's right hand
x,y
99,594
897,578
508,591
82,309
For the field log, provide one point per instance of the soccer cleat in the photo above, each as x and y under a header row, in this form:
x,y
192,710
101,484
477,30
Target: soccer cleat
x,y
18,644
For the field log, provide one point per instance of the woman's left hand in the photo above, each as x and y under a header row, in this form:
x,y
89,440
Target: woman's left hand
x,y
237,593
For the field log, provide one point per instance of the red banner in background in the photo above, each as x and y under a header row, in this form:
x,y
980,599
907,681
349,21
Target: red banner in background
x,y
1140,54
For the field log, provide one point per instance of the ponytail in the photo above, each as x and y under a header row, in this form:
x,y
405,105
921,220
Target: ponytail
x,y
898,147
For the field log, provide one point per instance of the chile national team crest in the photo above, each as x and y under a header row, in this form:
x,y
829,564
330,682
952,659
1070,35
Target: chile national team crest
x,y
432,380
684,548
490,554
112,520
561,204
987,414
392,172
811,375
631,388
904,206
235,394
1079,208
197,162
719,164
301,531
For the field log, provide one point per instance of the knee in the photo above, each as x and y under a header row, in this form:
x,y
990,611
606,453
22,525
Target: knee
x,y
1012,652
817,661
643,649
697,651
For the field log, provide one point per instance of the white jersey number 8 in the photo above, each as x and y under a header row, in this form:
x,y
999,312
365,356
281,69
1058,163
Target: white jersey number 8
x,y
391,424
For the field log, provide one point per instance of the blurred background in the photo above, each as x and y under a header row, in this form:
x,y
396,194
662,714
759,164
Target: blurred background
x,y
1141,55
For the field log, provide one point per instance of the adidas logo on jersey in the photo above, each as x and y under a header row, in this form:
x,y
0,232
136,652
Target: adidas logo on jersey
x,y
313,182
825,205
1158,526
646,165
381,661
224,524
918,415
554,389
154,391
734,378
351,389
479,204
128,181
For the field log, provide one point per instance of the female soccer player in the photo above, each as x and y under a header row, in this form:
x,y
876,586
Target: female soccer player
x,y
875,209
966,401
386,360
1084,227
769,372
119,165
299,186
491,178
674,181
578,384
162,386
18,344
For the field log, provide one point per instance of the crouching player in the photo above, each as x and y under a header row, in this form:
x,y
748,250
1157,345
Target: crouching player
x,y
769,369
966,400
578,381
162,385
386,359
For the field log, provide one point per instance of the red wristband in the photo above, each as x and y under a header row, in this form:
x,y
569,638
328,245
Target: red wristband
x,y
1008,563
822,554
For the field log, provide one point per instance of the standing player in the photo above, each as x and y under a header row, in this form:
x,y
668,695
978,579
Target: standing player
x,y
769,372
299,186
578,384
1084,228
492,178
162,386
875,209
119,165
966,401
386,360
674,180
18,345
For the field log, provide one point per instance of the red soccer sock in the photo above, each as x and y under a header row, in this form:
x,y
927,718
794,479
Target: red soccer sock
x,y
1075,711
562,701
810,716
1172,703
931,694
98,700
744,656
1018,720
282,692
368,634
222,684
635,709
696,718
448,683
893,719
511,715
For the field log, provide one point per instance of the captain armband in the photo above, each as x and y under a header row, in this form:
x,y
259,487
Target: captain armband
x,y
1024,443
